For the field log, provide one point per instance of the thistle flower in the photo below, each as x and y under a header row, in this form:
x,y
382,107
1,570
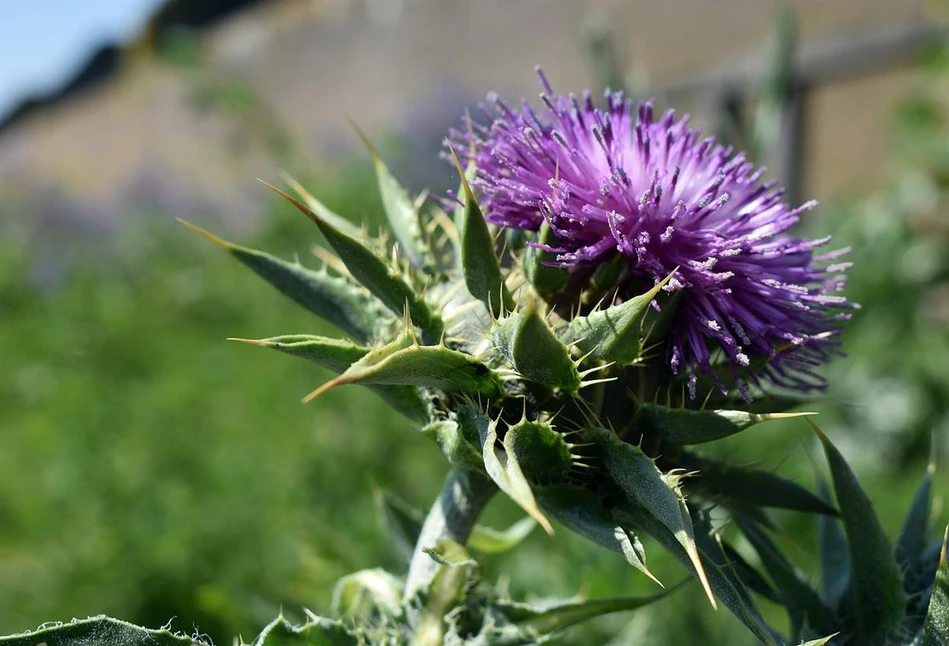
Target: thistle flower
x,y
608,182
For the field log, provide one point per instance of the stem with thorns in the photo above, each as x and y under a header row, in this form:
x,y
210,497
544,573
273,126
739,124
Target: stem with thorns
x,y
453,516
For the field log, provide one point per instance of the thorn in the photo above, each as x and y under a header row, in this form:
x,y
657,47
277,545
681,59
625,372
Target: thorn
x,y
329,385
260,342
221,242
303,208
373,152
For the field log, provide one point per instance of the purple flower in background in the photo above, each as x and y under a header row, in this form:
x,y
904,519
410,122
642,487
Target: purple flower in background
x,y
609,181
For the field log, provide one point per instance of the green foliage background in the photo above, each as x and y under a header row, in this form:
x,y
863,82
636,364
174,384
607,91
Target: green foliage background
x,y
150,470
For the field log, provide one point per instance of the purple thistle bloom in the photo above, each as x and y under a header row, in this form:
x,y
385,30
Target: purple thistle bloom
x,y
609,182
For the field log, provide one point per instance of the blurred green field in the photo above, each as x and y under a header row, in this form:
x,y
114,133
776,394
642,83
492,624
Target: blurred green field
x,y
150,470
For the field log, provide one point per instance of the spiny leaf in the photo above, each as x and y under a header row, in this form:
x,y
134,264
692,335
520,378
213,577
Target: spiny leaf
x,y
429,366
546,279
536,353
456,570
936,632
687,426
749,576
374,273
338,355
335,354
318,631
721,574
584,513
614,333
321,209
96,631
915,534
541,452
733,485
479,263
875,579
400,210
644,484
333,299
504,469
798,596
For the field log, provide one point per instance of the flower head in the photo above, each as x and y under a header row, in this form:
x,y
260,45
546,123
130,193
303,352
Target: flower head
x,y
613,181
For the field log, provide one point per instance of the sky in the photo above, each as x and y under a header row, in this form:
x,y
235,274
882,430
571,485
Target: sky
x,y
43,42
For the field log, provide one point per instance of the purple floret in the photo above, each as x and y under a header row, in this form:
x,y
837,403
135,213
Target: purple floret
x,y
611,181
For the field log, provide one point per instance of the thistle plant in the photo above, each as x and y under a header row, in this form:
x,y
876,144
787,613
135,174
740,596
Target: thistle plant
x,y
607,291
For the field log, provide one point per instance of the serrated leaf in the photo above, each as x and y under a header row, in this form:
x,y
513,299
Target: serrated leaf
x,y
428,366
614,333
531,347
479,262
644,484
936,631
504,469
546,279
875,579
914,536
338,355
749,487
400,209
799,598
332,299
375,274
583,513
362,593
98,631
686,426
318,631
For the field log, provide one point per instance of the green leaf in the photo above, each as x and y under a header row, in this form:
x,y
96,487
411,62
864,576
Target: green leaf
x,y
488,540
546,279
456,570
552,620
98,631
360,594
338,355
936,632
915,534
479,262
749,576
583,512
645,485
529,344
334,354
799,598
332,299
504,469
722,576
321,209
834,553
615,333
687,426
429,366
733,485
542,452
451,439
876,580
400,209
318,631
384,281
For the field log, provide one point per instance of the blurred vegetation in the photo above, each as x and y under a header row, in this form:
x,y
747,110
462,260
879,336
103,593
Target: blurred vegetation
x,y
150,470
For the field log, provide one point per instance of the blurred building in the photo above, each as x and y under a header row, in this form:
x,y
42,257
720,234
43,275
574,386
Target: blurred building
x,y
182,120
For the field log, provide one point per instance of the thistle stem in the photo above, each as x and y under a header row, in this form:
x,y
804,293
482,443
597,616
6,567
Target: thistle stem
x,y
453,516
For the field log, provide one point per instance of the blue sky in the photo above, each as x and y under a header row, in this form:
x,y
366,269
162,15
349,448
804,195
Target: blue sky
x,y
42,42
